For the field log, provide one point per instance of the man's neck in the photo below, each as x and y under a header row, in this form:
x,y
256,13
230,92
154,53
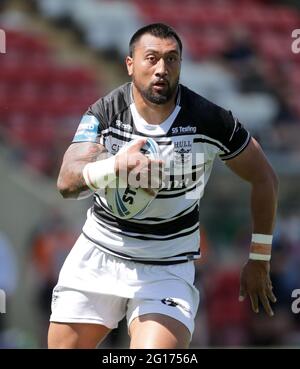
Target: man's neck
x,y
152,113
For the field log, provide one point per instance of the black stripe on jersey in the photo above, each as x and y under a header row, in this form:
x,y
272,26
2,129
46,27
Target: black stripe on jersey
x,y
97,198
236,153
181,193
129,137
149,238
172,237
151,219
160,229
181,183
198,166
149,134
119,137
176,259
211,142
163,143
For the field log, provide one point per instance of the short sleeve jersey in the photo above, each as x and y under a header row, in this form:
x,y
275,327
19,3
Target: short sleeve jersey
x,y
194,134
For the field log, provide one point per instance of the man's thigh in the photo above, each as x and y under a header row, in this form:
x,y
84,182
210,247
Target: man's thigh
x,y
158,331
75,335
163,322
82,319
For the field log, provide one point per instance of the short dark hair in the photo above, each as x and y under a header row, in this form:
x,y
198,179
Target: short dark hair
x,y
159,30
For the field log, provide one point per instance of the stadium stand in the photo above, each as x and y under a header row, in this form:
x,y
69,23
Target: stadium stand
x,y
217,36
37,93
221,34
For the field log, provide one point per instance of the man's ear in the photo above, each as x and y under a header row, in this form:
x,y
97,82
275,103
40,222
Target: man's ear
x,y
129,64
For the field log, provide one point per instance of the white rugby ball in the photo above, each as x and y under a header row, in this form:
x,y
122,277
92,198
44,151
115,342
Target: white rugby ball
x,y
126,201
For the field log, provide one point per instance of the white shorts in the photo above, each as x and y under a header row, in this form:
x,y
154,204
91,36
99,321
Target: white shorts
x,y
95,287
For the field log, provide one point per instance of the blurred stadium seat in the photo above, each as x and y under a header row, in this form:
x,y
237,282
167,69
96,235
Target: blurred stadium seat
x,y
36,94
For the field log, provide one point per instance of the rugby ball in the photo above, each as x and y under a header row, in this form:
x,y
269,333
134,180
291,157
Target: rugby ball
x,y
125,201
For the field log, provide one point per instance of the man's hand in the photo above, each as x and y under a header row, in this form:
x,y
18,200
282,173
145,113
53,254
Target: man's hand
x,y
139,170
256,282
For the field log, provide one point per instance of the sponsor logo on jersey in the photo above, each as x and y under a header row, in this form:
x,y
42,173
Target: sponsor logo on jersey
x,y
185,129
183,146
123,126
115,148
87,129
182,150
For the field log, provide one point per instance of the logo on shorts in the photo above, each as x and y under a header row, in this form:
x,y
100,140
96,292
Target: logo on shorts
x,y
54,298
172,302
169,301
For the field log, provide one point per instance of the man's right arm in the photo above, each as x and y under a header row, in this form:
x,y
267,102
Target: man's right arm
x,y
88,166
71,183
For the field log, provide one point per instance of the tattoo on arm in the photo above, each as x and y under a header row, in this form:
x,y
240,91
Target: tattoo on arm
x,y
70,180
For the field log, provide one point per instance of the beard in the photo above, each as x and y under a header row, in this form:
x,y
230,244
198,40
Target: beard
x,y
157,97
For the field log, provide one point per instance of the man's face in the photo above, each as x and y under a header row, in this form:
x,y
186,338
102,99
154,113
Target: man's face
x,y
155,68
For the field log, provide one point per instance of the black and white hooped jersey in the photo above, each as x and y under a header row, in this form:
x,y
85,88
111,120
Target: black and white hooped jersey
x,y
189,140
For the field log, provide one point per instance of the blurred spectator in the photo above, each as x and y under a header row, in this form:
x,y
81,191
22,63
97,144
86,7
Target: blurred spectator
x,y
8,266
283,329
8,280
239,48
227,319
50,243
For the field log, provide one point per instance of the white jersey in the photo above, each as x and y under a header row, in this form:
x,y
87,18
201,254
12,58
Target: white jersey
x,y
189,140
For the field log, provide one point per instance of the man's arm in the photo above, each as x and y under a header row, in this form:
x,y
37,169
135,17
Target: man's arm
x,y
86,166
70,180
252,166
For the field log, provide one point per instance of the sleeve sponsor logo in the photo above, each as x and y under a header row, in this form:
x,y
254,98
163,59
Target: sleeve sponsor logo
x,y
87,129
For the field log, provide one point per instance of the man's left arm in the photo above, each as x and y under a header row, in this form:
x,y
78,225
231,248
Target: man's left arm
x,y
252,166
